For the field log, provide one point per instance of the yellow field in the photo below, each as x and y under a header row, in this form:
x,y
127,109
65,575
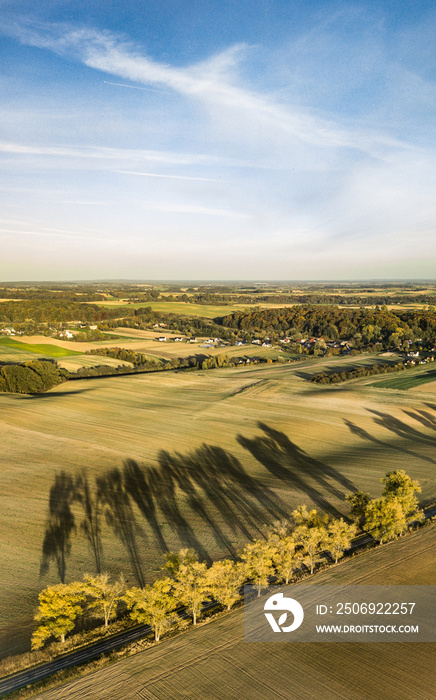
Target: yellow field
x,y
214,662
213,456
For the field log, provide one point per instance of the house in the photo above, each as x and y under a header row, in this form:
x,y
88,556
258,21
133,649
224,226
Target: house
x,y
66,334
256,341
162,339
192,340
8,331
177,339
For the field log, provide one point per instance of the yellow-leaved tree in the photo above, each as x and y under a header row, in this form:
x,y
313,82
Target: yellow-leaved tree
x,y
103,596
153,605
59,608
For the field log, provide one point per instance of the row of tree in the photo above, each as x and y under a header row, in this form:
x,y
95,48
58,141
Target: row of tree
x,y
288,548
363,371
389,516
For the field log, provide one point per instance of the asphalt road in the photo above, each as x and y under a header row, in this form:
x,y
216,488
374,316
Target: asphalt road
x,y
93,651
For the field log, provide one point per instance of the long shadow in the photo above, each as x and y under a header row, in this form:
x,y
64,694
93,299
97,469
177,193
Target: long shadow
x,y
289,463
174,467
115,497
401,429
49,394
224,483
360,432
60,525
90,525
164,491
139,486
424,417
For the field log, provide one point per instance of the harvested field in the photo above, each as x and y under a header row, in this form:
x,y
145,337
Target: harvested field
x,y
205,460
429,388
74,363
214,662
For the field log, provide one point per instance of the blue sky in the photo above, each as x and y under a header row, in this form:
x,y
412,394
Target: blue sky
x,y
217,140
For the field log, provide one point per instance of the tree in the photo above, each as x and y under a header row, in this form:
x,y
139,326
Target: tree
x,y
358,500
339,537
59,608
225,579
152,605
279,528
191,587
174,560
284,557
310,518
103,596
311,541
385,518
399,485
258,558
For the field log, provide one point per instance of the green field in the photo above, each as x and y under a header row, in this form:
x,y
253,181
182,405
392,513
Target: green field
x,y
214,662
179,307
204,459
11,349
408,379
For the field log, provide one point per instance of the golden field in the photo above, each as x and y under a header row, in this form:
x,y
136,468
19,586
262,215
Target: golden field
x,y
205,459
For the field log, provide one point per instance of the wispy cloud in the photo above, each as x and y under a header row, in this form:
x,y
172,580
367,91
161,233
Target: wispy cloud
x,y
105,153
166,176
195,209
211,83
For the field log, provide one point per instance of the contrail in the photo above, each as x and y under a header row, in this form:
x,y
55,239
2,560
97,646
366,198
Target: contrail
x,y
171,177
133,87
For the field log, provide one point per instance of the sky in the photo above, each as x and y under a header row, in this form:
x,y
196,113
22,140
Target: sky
x,y
217,139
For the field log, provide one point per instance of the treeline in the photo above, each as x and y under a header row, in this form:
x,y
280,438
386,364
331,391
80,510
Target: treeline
x,y
289,548
363,371
54,310
32,377
75,293
364,325
136,358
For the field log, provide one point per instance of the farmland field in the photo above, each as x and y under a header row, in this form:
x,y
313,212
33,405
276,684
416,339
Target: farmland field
x,y
213,661
203,459
179,307
11,349
409,379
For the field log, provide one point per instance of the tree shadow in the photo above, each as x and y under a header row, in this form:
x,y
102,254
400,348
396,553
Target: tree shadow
x,y
360,432
403,430
90,525
289,463
212,476
139,485
424,417
210,481
114,496
50,394
60,524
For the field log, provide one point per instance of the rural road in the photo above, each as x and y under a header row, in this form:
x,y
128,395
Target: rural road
x,y
93,651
